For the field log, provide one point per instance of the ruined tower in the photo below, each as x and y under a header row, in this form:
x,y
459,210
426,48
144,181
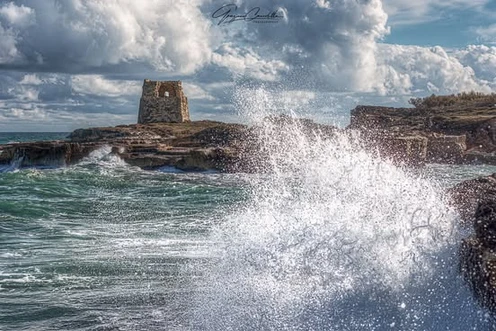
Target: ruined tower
x,y
163,102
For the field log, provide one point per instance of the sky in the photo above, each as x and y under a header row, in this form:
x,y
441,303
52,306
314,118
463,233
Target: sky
x,y
68,64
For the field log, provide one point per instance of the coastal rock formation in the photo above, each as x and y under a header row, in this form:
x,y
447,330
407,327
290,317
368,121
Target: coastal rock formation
x,y
459,131
163,102
410,150
455,134
467,195
476,201
478,256
196,146
201,145
45,154
442,148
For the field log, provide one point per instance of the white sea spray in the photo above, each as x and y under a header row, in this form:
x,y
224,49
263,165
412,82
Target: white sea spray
x,y
332,238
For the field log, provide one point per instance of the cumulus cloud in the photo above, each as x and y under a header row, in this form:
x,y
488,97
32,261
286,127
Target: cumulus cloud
x,y
73,35
8,46
333,40
482,59
19,16
328,45
97,85
422,70
245,62
195,92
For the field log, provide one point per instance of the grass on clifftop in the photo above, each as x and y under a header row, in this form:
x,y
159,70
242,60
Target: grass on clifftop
x,y
460,99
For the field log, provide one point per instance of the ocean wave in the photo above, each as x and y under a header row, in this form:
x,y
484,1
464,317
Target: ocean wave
x,y
333,239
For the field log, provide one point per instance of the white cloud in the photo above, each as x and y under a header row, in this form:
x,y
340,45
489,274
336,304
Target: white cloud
x,y
99,86
12,19
22,93
481,58
35,114
8,46
170,35
31,79
245,62
415,69
195,92
18,16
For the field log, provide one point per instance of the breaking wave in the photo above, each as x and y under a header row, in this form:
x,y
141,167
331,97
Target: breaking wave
x,y
332,238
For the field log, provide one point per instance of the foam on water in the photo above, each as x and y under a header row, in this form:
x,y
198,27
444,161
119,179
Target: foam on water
x,y
103,157
333,239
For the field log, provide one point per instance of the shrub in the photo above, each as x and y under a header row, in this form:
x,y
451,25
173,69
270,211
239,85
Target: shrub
x,y
460,99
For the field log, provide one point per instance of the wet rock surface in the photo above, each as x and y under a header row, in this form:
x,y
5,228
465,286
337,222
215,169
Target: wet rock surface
x,y
467,195
476,201
478,256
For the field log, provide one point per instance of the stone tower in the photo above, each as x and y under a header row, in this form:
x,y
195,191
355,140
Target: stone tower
x,y
163,102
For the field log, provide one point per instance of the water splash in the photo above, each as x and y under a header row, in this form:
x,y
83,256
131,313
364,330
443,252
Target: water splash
x,y
103,157
15,164
333,239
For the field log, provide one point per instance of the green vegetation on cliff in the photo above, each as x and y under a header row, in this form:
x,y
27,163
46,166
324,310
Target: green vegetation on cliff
x,y
453,100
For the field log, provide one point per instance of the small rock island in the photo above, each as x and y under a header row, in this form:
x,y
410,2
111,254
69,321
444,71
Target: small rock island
x,y
163,136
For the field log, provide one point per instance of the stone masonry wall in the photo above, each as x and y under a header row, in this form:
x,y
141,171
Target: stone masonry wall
x,y
163,102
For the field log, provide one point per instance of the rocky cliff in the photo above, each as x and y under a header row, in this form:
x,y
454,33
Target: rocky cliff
x,y
453,134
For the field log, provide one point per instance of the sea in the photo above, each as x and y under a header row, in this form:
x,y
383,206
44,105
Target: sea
x,y
330,237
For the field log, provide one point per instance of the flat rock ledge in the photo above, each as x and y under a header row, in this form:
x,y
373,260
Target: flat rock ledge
x,y
195,146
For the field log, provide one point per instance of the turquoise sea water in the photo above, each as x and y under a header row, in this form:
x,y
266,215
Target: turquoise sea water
x,y
105,246
99,246
10,137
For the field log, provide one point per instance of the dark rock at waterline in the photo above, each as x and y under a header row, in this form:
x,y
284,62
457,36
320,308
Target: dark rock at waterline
x,y
42,154
485,223
478,267
467,195
192,146
200,145
475,200
478,256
